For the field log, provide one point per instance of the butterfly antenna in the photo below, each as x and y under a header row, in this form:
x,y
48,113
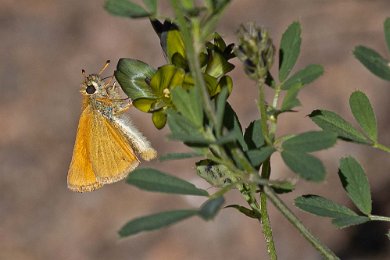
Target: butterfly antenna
x,y
104,67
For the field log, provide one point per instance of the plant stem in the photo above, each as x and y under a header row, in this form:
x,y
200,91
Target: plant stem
x,y
279,204
267,229
263,111
273,119
379,218
192,45
265,221
382,147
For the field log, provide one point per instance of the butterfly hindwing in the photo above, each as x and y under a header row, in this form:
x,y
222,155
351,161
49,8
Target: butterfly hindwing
x,y
111,155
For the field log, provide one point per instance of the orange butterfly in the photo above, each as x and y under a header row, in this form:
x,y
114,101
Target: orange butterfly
x,y
105,142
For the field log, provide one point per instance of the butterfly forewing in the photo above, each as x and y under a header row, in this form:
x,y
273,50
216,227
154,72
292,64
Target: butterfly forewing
x,y
80,175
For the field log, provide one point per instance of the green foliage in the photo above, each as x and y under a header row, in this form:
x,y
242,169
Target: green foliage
x,y
310,141
364,114
305,165
373,61
210,208
355,183
304,76
332,122
253,136
282,186
154,180
341,216
349,221
128,9
290,99
323,207
163,219
155,221
290,46
188,103
190,93
247,212
133,75
295,155
217,175
177,156
258,156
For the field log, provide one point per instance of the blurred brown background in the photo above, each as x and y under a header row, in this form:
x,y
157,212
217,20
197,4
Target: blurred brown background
x,y
45,44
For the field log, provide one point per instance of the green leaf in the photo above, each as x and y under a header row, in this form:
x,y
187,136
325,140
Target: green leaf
x,y
220,107
177,156
307,166
321,206
253,135
356,184
290,100
155,221
184,130
125,8
258,156
133,76
364,114
290,46
151,5
348,221
159,118
218,175
210,208
388,234
310,141
387,32
330,121
154,180
231,122
304,76
230,137
247,212
282,186
373,61
189,104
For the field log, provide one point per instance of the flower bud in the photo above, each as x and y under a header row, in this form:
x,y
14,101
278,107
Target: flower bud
x,y
255,49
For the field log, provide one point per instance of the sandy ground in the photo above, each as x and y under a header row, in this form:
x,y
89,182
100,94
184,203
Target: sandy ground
x,y
45,44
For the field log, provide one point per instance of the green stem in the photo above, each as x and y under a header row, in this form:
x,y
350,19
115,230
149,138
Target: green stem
x,y
267,229
382,147
263,111
379,218
261,211
265,221
273,119
192,45
279,204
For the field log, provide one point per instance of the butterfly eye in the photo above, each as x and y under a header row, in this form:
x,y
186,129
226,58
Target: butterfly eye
x,y
90,89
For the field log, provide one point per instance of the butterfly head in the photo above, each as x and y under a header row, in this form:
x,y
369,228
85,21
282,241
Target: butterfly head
x,y
93,85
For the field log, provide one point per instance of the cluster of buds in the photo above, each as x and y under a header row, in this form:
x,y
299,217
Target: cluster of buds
x,y
150,89
256,50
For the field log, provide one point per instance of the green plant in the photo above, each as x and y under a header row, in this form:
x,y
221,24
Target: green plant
x,y
190,94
